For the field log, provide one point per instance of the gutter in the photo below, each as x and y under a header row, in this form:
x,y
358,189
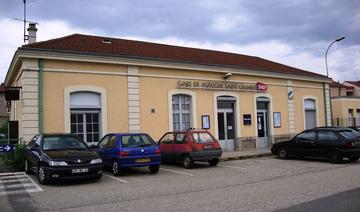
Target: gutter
x,y
324,92
41,110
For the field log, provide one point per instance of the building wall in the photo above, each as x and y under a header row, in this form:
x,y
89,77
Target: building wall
x,y
133,91
341,108
58,76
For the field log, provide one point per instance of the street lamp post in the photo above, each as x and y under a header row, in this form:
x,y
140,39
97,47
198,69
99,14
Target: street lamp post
x,y
327,74
337,40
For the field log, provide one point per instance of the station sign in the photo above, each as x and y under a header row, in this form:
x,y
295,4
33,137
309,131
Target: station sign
x,y
221,85
6,148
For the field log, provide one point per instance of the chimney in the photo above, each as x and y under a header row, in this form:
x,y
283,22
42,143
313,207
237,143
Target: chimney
x,y
32,32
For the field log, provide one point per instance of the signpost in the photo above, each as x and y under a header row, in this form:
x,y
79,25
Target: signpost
x,y
6,148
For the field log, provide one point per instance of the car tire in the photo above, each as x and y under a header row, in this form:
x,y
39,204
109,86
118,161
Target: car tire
x,y
188,162
27,167
116,170
335,157
214,162
353,159
43,178
154,168
282,153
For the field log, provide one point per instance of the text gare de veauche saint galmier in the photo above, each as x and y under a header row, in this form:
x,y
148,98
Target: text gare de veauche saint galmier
x,y
215,85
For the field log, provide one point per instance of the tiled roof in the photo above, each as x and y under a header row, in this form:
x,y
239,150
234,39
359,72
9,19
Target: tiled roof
x,y
78,43
336,84
356,83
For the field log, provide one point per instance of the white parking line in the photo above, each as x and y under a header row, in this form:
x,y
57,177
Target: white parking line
x,y
177,172
235,167
20,183
15,180
115,178
14,176
12,173
17,185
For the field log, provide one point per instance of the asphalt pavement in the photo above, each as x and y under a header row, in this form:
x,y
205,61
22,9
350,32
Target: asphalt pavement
x,y
256,184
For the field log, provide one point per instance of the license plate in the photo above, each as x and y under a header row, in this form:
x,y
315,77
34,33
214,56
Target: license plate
x,y
207,147
143,160
75,171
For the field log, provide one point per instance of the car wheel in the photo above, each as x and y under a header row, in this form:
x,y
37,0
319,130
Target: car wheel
x,y
188,162
353,159
27,167
335,157
115,168
42,176
282,153
154,168
214,162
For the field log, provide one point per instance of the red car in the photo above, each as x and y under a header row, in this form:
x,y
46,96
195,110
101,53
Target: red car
x,y
189,146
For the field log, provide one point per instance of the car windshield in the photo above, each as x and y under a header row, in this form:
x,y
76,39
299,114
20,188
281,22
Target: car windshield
x,y
202,137
62,142
132,141
350,134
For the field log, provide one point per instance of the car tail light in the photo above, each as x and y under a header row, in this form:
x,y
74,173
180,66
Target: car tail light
x,y
123,154
158,152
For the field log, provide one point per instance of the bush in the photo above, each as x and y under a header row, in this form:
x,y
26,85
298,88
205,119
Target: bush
x,y
16,160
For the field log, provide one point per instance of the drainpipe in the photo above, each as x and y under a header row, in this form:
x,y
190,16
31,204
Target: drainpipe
x,y
41,114
324,92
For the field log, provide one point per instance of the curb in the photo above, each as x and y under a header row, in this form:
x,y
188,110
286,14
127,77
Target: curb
x,y
242,157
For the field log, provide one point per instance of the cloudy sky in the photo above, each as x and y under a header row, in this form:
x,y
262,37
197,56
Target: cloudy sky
x,y
296,32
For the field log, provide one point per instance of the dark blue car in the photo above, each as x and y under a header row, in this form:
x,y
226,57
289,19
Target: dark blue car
x,y
121,150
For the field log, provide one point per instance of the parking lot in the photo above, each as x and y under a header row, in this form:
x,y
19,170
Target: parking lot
x,y
240,185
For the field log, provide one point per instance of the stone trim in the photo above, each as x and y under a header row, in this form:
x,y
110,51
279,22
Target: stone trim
x,y
133,99
291,108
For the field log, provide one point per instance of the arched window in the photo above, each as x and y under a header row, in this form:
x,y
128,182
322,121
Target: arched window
x,y
181,112
85,108
310,113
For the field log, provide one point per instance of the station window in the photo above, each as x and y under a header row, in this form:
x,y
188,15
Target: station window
x,y
310,113
85,111
181,106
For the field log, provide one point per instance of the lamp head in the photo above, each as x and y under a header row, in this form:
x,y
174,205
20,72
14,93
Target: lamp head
x,y
340,38
227,75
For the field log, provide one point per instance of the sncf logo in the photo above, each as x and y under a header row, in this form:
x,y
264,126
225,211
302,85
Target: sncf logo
x,y
261,86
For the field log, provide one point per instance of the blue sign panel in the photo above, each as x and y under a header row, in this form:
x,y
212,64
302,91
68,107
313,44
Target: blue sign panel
x,y
6,148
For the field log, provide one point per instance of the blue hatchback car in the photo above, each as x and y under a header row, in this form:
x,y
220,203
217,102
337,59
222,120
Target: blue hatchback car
x,y
121,150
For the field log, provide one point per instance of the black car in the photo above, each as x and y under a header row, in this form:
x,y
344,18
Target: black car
x,y
333,143
355,128
61,156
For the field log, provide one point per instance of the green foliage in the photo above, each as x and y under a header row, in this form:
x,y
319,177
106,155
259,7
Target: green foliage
x,y
4,128
16,160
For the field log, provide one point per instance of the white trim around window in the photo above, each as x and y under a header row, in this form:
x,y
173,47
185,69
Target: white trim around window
x,y
237,112
193,106
85,88
317,110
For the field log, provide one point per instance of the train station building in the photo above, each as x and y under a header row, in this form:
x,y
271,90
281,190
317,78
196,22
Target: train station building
x,y
93,85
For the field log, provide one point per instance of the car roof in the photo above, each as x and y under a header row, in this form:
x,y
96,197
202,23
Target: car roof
x,y
124,134
331,128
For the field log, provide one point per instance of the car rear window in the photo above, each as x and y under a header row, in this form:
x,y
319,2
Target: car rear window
x,y
133,141
62,142
202,137
350,134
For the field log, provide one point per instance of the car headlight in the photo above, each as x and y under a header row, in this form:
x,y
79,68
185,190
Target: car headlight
x,y
57,163
94,161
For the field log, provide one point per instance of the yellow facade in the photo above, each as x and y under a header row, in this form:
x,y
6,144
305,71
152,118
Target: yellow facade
x,y
138,98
